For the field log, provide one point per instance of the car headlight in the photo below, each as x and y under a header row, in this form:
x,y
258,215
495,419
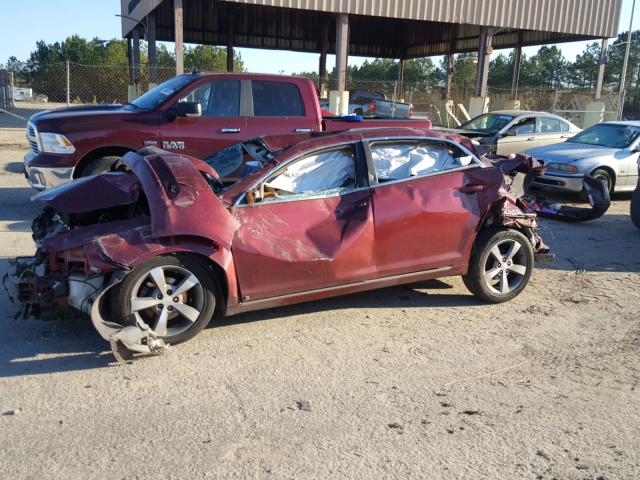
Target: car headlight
x,y
562,167
56,143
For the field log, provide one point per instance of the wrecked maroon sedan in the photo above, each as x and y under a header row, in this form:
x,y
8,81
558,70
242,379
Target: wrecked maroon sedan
x,y
152,252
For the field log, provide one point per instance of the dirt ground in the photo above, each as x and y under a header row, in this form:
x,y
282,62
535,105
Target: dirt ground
x,y
414,382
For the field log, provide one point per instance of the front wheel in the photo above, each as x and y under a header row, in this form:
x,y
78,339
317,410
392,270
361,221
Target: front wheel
x,y
635,207
605,177
174,295
500,266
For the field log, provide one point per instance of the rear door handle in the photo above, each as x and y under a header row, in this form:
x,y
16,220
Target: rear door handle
x,y
472,188
352,208
303,130
531,139
229,130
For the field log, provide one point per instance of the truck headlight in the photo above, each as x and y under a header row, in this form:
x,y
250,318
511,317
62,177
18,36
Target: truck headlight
x,y
56,143
562,167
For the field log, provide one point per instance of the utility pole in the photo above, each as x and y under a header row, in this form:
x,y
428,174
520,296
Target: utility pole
x,y
626,62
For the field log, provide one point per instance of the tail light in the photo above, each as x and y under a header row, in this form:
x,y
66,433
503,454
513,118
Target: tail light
x,y
372,106
410,111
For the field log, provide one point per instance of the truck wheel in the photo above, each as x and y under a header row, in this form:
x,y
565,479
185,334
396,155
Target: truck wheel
x,y
174,295
501,265
98,166
635,207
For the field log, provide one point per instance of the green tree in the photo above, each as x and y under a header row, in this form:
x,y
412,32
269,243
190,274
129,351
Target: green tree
x,y
210,59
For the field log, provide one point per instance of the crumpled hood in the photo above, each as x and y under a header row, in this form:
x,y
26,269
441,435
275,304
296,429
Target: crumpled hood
x,y
570,152
181,202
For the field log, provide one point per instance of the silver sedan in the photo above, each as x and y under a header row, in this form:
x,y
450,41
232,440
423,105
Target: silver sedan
x,y
608,151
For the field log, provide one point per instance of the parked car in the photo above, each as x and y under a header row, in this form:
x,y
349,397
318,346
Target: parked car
x,y
635,203
606,151
369,103
513,131
152,252
195,114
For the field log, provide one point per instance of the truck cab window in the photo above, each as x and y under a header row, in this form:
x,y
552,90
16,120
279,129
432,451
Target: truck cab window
x,y
220,98
273,99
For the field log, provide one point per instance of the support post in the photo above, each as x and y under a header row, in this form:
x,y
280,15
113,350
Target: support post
x,y
515,79
623,77
230,35
179,36
152,51
401,79
342,50
484,58
135,36
324,48
68,84
451,70
601,66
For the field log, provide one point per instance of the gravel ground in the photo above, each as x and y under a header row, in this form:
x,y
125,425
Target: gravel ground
x,y
414,382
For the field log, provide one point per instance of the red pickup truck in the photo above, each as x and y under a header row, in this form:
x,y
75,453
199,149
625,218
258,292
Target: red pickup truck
x,y
197,114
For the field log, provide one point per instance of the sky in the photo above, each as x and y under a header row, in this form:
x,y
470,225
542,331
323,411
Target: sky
x,y
24,22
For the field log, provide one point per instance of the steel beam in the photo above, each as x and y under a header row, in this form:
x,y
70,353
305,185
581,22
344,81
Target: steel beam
x,y
178,25
342,50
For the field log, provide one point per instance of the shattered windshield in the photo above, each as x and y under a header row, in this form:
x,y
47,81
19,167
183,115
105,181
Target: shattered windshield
x,y
490,122
237,161
609,135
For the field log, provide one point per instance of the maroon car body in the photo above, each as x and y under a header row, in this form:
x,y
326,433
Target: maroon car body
x,y
263,248
234,108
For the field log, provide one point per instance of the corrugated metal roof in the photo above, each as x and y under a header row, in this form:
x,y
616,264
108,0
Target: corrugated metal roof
x,y
268,24
595,18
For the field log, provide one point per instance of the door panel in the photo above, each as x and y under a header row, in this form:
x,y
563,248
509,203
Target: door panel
x,y
219,126
294,246
425,223
525,136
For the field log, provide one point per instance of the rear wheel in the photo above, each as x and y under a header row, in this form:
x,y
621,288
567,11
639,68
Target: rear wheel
x,y
174,295
635,207
500,266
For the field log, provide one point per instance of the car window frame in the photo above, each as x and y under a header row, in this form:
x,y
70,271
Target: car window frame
x,y
360,156
516,120
560,123
373,175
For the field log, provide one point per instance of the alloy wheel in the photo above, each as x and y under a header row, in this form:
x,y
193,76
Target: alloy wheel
x,y
169,299
506,266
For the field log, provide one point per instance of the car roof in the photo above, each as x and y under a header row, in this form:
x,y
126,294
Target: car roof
x,y
311,141
519,113
630,123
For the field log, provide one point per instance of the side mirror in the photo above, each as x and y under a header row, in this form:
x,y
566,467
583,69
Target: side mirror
x,y
185,109
510,133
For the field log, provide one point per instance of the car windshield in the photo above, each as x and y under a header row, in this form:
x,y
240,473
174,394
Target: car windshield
x,y
490,122
153,98
609,135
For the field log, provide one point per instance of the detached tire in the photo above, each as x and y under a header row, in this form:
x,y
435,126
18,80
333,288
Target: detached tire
x,y
98,166
501,265
635,207
174,295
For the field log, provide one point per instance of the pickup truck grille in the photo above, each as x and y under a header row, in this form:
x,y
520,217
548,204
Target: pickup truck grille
x,y
32,137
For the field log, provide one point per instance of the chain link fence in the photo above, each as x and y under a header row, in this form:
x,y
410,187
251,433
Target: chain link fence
x,y
62,84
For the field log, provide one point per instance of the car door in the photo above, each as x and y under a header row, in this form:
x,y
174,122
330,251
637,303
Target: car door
x,y
552,130
276,107
425,204
220,125
307,226
518,136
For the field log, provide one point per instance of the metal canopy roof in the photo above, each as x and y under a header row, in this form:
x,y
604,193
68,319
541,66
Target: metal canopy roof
x,y
383,28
